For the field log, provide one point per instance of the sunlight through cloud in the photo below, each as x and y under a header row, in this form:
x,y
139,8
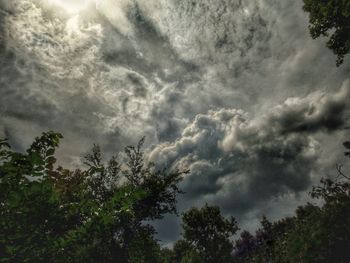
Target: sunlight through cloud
x,y
71,6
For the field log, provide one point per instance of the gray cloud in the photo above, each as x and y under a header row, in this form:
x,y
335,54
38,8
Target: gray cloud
x,y
313,113
242,164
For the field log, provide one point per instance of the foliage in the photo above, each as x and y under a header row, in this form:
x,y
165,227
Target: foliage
x,y
29,208
331,18
102,214
183,252
94,215
208,234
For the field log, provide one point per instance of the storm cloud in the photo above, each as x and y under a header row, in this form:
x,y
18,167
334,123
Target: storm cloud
x,y
254,159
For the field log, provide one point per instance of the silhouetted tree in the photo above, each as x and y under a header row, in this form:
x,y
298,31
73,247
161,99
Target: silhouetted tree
x,y
94,215
184,252
209,234
246,245
331,18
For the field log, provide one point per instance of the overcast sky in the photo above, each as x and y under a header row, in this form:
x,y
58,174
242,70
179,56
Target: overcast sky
x,y
236,91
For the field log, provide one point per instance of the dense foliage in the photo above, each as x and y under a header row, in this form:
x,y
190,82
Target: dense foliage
x,y
100,215
331,18
95,215
207,236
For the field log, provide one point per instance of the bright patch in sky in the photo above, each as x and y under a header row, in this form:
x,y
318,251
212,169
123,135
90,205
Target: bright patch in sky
x,y
71,6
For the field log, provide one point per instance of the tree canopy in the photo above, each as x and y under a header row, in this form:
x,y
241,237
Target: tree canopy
x,y
99,214
208,234
331,18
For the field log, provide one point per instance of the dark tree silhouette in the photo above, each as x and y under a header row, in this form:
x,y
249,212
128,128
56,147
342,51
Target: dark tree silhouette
x,y
209,234
94,215
331,18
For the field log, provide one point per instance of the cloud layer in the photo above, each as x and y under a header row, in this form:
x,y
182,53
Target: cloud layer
x,y
234,158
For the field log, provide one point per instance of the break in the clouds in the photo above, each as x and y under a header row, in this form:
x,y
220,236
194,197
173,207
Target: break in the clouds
x,y
236,91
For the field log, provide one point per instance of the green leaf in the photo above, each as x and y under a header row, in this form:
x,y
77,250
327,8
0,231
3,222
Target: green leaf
x,y
50,151
15,199
36,159
51,160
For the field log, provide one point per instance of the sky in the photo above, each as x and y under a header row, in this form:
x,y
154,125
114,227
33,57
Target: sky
x,y
236,91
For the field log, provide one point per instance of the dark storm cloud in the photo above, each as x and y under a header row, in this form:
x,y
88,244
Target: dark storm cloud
x,y
239,163
306,115
201,79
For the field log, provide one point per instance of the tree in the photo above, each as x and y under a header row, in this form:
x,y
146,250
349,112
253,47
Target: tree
x,y
267,245
245,246
315,234
30,215
183,252
209,234
95,215
331,18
